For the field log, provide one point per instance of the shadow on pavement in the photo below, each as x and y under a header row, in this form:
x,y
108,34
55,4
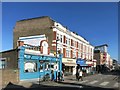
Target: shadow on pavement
x,y
69,86
115,72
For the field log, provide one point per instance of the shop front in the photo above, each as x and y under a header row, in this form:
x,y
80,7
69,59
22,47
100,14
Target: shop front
x,y
81,64
69,66
32,66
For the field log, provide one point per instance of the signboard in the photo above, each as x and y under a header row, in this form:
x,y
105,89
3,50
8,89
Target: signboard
x,y
33,40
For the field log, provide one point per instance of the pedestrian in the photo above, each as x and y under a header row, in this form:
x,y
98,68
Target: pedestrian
x,y
77,75
52,72
55,76
62,76
80,75
58,75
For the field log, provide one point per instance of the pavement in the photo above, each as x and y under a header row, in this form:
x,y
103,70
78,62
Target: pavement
x,y
95,82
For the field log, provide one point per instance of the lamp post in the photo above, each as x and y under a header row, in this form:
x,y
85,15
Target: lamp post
x,y
56,56
56,47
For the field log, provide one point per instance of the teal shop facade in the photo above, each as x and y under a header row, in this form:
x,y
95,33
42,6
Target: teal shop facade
x,y
33,66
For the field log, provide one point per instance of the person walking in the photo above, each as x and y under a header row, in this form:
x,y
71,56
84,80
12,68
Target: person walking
x,y
77,76
80,75
62,76
52,72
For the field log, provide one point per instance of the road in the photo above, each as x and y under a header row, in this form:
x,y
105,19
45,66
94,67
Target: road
x,y
108,81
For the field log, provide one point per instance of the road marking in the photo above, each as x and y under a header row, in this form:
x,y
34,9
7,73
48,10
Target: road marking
x,y
104,83
93,82
116,85
83,81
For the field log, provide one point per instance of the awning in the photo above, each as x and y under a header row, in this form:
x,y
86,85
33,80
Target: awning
x,y
81,62
69,64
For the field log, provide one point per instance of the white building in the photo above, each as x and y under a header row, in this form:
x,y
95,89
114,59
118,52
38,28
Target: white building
x,y
72,46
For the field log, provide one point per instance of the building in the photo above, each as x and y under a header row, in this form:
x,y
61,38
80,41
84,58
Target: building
x,y
29,61
10,71
100,54
103,57
70,44
115,64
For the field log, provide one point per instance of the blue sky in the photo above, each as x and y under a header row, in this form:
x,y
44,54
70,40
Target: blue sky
x,y
97,22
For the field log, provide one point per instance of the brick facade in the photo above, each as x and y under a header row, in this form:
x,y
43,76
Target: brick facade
x,y
34,26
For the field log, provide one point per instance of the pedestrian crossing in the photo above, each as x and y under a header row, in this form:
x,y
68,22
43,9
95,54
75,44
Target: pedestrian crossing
x,y
98,83
116,85
83,81
104,83
93,82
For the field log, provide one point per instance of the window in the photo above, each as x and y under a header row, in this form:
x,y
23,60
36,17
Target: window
x,y
67,53
61,38
51,66
79,46
66,40
74,54
69,42
74,43
30,66
57,36
47,66
41,68
3,64
79,55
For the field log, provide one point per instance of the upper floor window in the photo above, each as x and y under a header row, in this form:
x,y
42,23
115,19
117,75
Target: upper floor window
x,y
79,55
69,41
79,46
61,38
57,36
74,54
67,53
73,43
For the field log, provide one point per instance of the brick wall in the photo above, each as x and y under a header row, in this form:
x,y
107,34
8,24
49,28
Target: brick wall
x,y
10,75
31,27
11,58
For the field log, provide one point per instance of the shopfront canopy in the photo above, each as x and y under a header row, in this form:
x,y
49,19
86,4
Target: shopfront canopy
x,y
81,62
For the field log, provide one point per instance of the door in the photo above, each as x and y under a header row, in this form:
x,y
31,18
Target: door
x,y
42,69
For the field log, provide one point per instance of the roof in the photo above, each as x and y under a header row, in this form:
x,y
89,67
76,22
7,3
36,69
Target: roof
x,y
2,59
8,50
101,45
33,18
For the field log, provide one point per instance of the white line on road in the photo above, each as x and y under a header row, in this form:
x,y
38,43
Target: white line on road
x,y
83,81
116,85
93,82
104,83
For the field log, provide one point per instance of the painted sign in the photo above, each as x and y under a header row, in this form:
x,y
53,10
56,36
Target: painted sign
x,y
33,40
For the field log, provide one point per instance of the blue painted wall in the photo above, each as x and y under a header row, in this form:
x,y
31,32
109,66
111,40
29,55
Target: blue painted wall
x,y
32,75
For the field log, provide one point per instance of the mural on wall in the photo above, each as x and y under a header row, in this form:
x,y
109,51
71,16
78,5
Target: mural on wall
x,y
33,40
30,67
35,43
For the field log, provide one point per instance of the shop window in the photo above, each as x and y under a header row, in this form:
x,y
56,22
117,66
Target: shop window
x,y
41,68
30,66
51,66
46,66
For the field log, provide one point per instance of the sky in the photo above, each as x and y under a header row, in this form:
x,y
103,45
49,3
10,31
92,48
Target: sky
x,y
95,21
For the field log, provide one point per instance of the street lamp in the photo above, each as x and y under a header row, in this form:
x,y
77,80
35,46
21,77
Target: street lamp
x,y
56,53
56,46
